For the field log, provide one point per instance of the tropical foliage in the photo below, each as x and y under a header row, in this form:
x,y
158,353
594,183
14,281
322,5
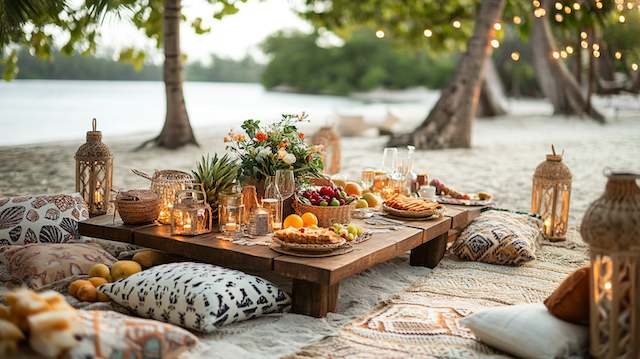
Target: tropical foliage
x,y
264,149
217,175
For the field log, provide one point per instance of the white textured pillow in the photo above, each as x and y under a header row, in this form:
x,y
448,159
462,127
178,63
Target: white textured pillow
x,y
528,331
198,296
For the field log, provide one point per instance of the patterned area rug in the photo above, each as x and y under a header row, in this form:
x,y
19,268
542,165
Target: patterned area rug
x,y
422,321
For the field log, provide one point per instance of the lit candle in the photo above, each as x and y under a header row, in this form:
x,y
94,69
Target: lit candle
x,y
230,227
187,224
547,226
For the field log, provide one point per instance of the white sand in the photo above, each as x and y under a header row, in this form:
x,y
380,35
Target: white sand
x,y
505,154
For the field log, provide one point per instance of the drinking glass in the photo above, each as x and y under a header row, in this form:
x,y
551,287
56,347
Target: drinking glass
x,y
389,158
272,200
368,175
285,181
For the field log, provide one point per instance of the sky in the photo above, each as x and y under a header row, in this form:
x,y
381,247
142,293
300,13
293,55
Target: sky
x,y
234,36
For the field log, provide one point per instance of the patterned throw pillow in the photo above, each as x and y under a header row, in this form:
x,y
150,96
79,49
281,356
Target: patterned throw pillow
x,y
40,264
114,335
198,296
41,219
499,238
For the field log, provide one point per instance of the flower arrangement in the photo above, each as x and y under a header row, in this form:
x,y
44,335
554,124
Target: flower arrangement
x,y
264,149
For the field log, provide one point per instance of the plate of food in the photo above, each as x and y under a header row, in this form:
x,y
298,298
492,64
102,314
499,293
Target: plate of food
x,y
402,206
447,195
351,232
308,239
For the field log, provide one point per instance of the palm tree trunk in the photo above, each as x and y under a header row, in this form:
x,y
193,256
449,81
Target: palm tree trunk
x,y
450,121
177,130
555,80
493,101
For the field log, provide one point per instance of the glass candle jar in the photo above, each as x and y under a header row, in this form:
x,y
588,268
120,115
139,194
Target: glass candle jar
x,y
230,212
191,214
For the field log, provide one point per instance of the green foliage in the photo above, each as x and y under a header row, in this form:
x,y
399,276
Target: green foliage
x,y
217,175
363,63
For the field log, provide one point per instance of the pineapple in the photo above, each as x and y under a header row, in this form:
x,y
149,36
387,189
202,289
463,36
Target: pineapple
x,y
217,175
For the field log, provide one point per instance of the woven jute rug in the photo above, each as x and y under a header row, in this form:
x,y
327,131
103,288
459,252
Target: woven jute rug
x,y
422,321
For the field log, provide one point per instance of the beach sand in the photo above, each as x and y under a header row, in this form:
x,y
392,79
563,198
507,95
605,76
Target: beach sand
x,y
504,155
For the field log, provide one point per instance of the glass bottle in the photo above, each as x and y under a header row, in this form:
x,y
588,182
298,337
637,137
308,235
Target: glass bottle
x,y
273,201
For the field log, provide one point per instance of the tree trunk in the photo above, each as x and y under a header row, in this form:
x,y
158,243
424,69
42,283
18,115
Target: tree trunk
x,y
177,130
450,121
493,101
555,80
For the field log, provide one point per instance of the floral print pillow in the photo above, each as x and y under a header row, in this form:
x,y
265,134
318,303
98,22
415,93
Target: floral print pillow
x,y
114,335
39,264
41,219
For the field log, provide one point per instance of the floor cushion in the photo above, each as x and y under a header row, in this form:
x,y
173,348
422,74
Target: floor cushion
x,y
198,296
499,237
41,219
570,301
528,331
114,335
40,264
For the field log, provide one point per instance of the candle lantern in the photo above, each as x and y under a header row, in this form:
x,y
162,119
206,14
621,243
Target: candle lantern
x,y
191,214
260,222
611,227
94,172
230,213
166,183
550,196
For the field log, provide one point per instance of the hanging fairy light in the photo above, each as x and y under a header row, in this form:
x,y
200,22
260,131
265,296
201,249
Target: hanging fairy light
x,y
630,5
517,20
379,34
497,26
495,43
563,54
583,35
576,6
617,55
536,3
539,12
428,33
559,6
457,24
599,5
621,19
596,47
559,17
555,54
569,50
584,44
596,53
634,66
515,56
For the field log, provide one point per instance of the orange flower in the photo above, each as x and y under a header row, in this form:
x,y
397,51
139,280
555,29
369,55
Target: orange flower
x,y
283,144
261,137
301,136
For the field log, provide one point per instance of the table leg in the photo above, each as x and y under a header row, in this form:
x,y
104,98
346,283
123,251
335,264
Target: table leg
x,y
314,299
430,253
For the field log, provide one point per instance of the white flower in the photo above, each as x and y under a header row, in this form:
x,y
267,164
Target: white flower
x,y
264,152
289,158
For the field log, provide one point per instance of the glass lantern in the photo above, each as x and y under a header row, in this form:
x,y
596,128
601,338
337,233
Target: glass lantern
x,y
610,227
94,172
166,184
230,213
550,196
191,214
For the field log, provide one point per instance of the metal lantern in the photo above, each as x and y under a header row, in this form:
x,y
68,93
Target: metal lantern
x,y
611,227
550,196
191,214
166,183
94,172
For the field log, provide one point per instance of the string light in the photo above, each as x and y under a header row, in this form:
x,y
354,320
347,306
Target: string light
x,y
629,5
558,17
456,24
618,55
621,19
379,34
619,7
584,44
596,47
559,6
427,33
567,10
536,3
495,43
539,12
583,35
576,6
569,50
556,55
517,20
515,56
497,26
596,53
599,5
634,66
563,54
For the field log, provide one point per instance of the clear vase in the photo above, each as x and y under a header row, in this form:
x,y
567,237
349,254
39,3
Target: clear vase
x,y
273,201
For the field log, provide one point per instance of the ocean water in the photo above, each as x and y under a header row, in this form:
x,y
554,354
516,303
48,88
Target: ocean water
x,y
33,111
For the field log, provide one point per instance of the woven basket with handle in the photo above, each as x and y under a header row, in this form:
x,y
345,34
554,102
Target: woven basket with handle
x,y
326,215
138,206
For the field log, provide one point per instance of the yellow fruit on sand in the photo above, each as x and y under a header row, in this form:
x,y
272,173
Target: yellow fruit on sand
x,y
99,270
353,189
293,220
309,219
371,199
98,281
75,285
362,203
123,269
148,258
87,293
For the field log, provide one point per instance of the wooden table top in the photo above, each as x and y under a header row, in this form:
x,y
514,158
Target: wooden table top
x,y
328,270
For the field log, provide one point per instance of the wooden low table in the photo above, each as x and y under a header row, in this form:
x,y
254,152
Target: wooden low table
x,y
315,280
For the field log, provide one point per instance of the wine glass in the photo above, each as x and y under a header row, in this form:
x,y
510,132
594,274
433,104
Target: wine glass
x,y
285,181
368,175
389,159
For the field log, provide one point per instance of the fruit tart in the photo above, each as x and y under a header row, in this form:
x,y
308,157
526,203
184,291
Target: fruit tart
x,y
308,236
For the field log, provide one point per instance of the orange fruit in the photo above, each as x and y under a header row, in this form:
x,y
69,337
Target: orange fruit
x,y
309,219
353,189
293,220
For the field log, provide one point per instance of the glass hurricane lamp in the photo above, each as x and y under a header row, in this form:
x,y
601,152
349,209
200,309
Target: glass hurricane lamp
x,y
191,214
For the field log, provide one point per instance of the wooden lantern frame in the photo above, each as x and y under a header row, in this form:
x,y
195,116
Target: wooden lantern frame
x,y
94,172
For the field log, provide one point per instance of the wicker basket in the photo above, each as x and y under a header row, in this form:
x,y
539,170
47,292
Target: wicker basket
x,y
138,206
326,215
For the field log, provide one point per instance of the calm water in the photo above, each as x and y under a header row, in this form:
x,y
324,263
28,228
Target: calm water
x,y
48,110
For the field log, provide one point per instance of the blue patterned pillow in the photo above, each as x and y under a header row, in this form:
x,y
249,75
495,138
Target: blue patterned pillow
x,y
499,237
198,296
